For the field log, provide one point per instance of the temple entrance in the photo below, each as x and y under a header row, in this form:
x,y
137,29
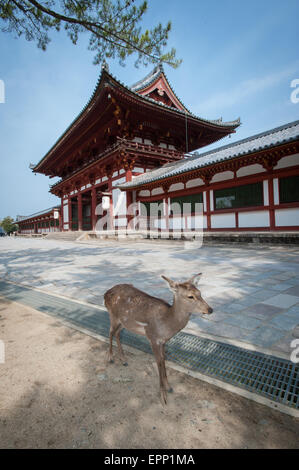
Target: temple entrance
x,y
74,215
86,220
86,212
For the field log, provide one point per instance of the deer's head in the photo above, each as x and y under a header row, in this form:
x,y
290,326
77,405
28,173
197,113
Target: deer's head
x,y
189,295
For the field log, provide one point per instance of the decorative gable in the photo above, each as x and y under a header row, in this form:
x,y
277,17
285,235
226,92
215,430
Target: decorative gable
x,y
156,86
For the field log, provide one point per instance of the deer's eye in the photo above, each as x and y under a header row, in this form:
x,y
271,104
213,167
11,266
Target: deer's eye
x,y
190,297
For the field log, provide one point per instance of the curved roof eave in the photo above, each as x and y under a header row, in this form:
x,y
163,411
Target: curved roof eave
x,y
105,74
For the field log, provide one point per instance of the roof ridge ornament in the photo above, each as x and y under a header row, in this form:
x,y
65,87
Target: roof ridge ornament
x,y
105,66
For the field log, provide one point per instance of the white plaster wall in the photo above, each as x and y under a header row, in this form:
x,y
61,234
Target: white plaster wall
x,y
223,220
286,217
290,160
225,175
144,193
65,213
119,202
250,170
211,200
177,223
120,222
176,187
275,191
195,182
160,223
195,222
266,192
157,191
204,201
139,170
254,219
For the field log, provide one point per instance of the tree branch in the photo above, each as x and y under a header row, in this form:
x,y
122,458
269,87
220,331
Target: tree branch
x,y
90,27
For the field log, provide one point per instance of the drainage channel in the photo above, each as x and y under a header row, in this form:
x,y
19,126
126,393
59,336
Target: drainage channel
x,y
270,377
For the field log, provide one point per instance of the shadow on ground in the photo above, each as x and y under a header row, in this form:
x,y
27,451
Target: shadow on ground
x,y
58,392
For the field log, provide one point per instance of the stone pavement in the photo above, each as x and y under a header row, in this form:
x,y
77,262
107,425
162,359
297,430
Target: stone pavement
x,y
254,290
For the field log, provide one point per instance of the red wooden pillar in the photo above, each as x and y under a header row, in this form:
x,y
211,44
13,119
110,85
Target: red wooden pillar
x,y
80,219
130,215
208,209
93,208
129,198
271,202
166,214
128,175
110,219
70,212
61,216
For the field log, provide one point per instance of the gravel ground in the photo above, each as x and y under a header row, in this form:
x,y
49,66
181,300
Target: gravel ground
x,y
57,392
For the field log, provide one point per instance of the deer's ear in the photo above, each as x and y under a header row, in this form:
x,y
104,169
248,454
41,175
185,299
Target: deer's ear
x,y
194,280
172,284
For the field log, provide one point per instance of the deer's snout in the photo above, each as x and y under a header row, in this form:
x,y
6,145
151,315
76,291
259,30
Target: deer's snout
x,y
210,310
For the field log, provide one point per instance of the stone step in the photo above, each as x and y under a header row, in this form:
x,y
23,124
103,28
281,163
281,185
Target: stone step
x,y
281,238
70,236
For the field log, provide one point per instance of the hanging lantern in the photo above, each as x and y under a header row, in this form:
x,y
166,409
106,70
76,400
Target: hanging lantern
x,y
105,202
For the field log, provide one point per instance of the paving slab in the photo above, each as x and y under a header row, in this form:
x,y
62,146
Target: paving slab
x,y
263,310
282,286
243,321
262,294
282,301
251,288
265,336
293,291
284,322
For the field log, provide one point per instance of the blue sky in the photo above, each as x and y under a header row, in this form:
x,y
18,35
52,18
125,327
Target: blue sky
x,y
239,59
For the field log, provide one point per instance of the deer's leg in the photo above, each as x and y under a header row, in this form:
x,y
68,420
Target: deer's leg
x,y
158,353
113,328
120,349
168,387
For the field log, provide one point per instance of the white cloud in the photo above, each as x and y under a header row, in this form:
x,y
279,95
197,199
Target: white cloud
x,y
248,88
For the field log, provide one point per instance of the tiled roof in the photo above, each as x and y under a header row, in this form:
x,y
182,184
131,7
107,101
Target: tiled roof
x,y
21,218
148,79
264,140
152,76
105,73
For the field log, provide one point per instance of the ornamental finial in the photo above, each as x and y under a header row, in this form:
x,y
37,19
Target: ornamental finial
x,y
105,66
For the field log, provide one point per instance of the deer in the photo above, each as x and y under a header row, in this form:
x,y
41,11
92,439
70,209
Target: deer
x,y
149,316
